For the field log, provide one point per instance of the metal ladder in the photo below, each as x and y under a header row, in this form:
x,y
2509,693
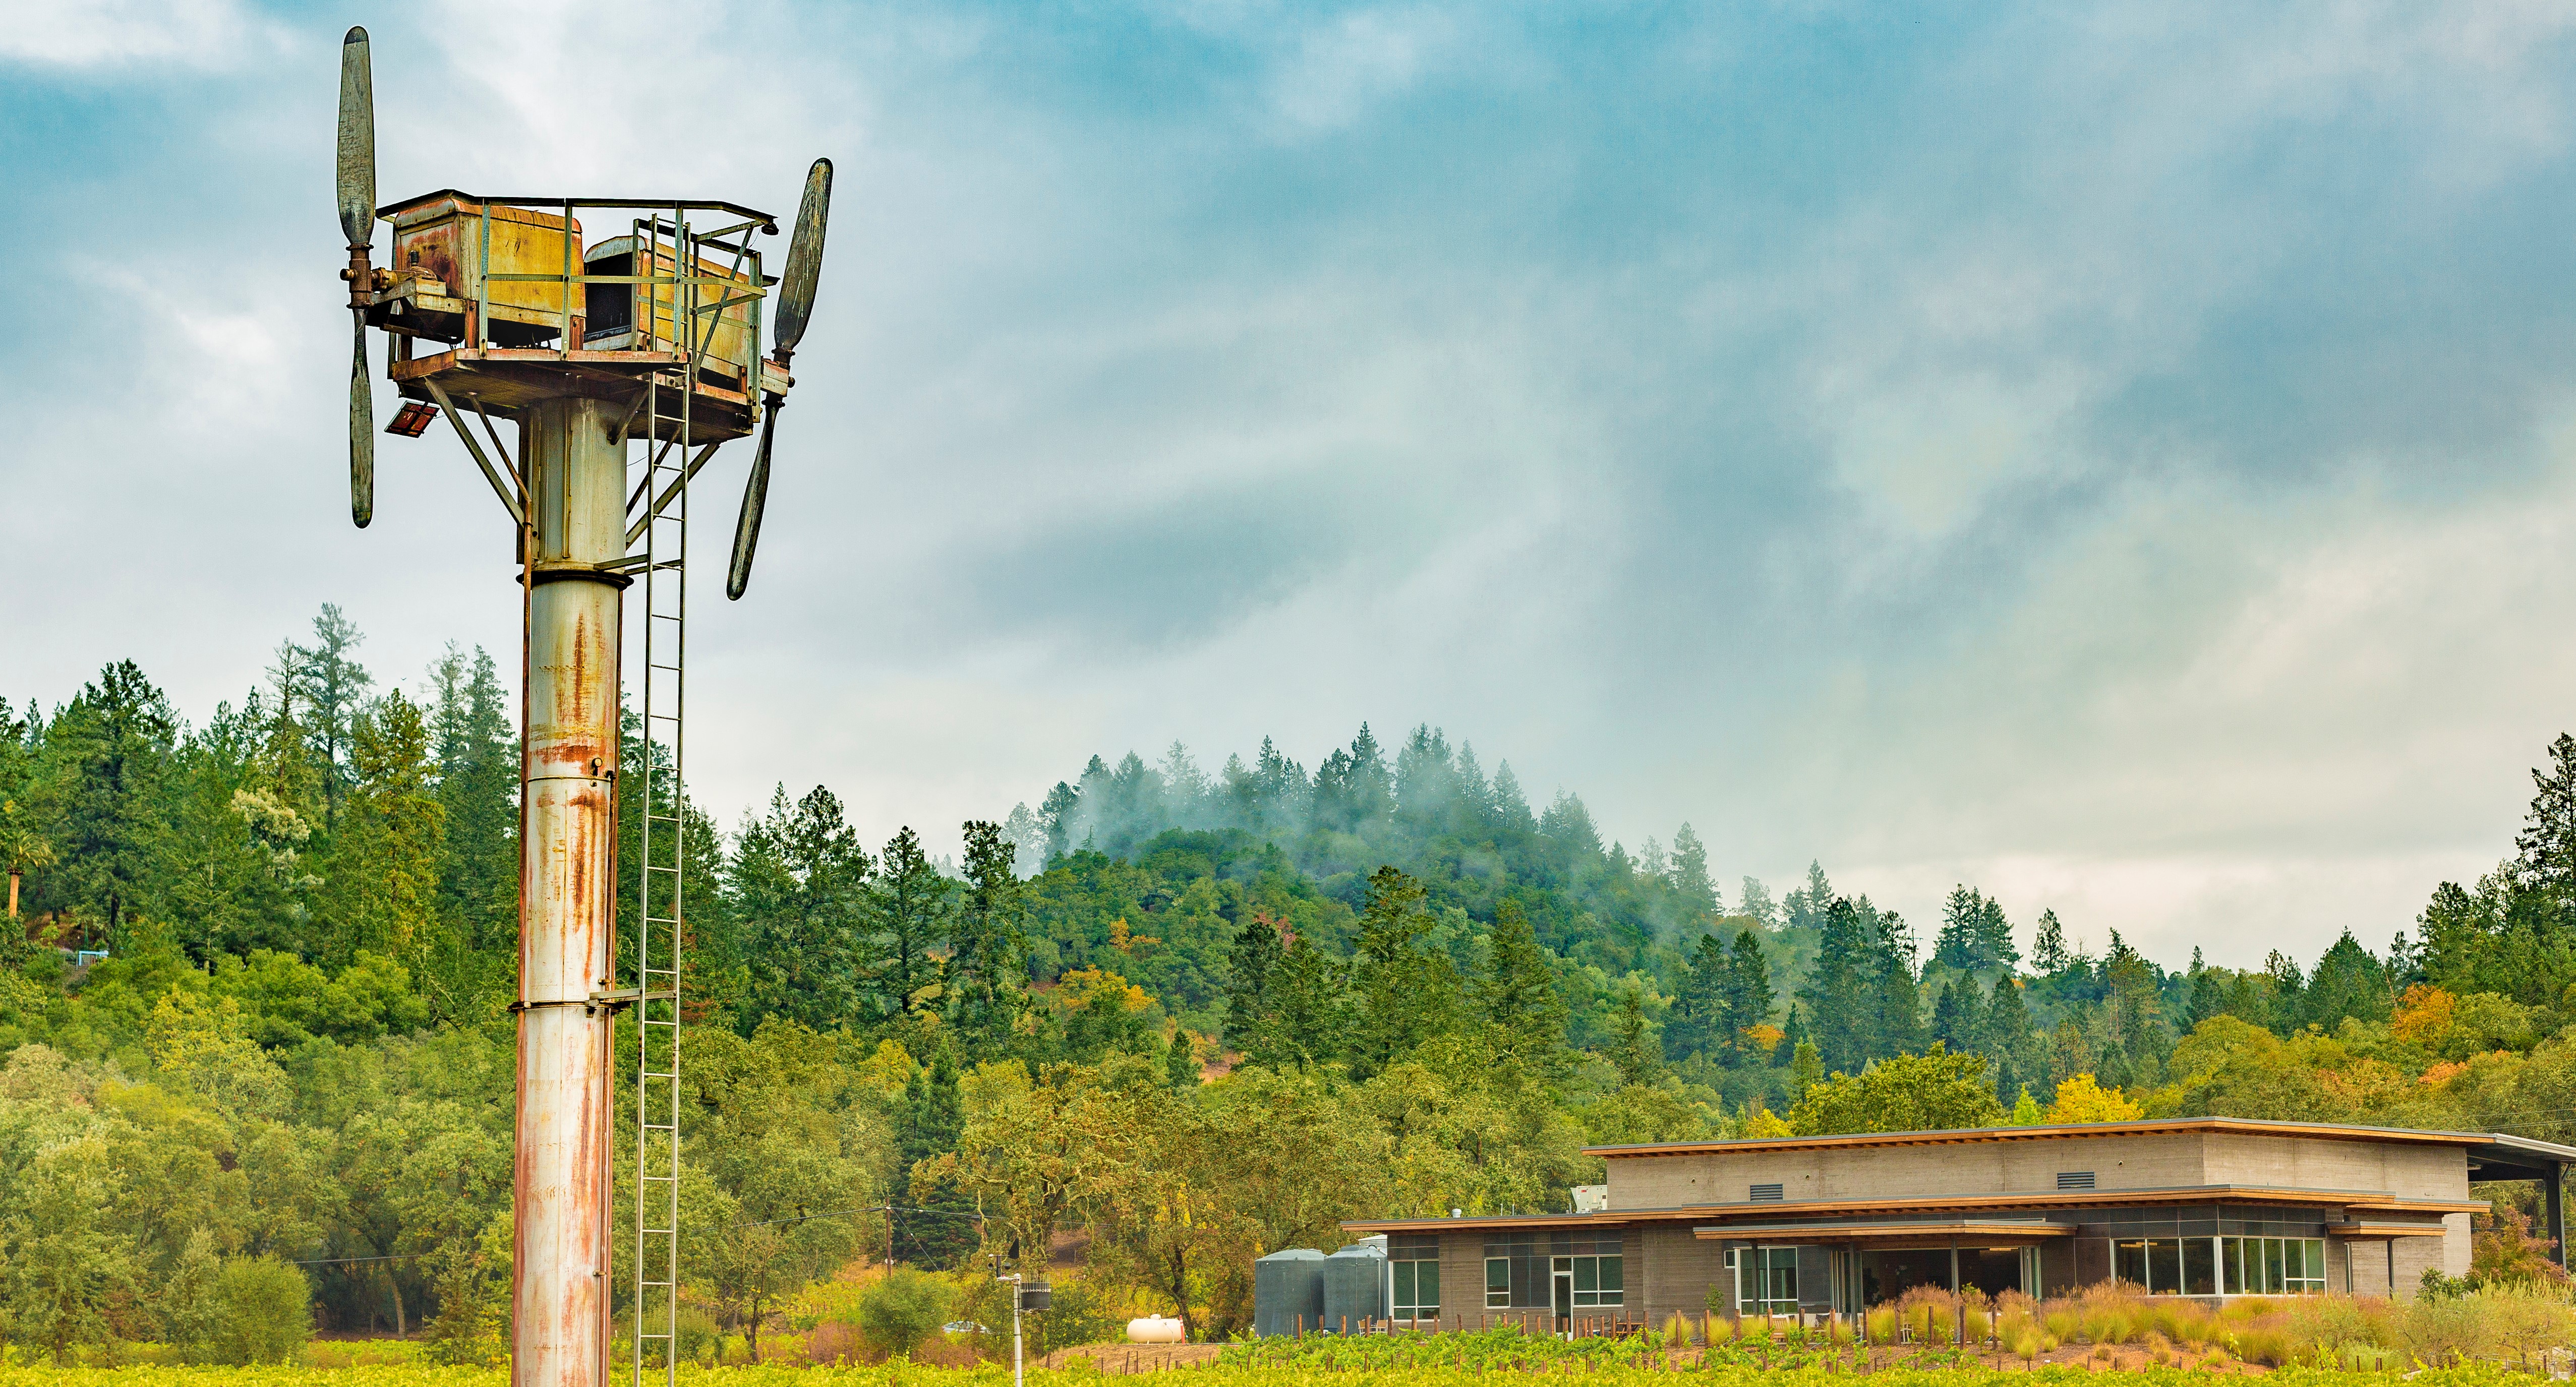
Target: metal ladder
x,y
661,909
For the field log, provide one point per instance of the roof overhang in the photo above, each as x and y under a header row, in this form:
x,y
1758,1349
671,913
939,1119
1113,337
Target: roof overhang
x,y
2362,1229
1968,1206
2500,1157
1937,1233
2326,1131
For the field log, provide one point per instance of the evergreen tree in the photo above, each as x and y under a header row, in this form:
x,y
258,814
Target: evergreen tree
x,y
478,781
987,966
1516,995
1956,945
1701,1004
1405,991
110,750
1181,1062
1252,960
1809,905
1632,1051
1897,998
1994,938
2048,945
1754,901
1748,996
2348,983
798,879
2009,1038
1837,990
384,868
938,1230
1955,1021
1056,812
1806,1067
2545,849
1689,873
332,689
908,909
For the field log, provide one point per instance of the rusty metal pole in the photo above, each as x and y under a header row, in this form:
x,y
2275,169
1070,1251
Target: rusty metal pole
x,y
567,886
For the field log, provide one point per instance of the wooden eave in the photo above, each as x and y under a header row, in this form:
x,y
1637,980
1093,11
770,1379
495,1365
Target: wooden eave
x,y
2236,1126
1775,1210
2386,1230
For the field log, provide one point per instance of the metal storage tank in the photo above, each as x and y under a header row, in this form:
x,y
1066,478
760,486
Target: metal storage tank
x,y
1286,1285
1355,1284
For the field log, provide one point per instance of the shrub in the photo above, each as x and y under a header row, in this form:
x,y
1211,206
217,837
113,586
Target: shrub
x,y
901,1309
1881,1324
263,1311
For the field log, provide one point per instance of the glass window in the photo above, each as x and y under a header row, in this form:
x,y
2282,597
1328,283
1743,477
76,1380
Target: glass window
x,y
2275,1270
2274,1266
2129,1260
2231,1264
2164,1266
1417,1290
1498,1283
2199,1266
1596,1281
1766,1281
2313,1279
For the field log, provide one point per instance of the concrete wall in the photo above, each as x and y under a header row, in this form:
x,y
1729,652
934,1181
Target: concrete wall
x,y
2417,1172
1885,1172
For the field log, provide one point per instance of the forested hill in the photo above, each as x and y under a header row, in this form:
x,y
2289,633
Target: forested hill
x,y
256,1004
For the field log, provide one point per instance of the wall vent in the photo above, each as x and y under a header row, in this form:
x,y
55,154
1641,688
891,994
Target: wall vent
x,y
2075,1179
1763,1194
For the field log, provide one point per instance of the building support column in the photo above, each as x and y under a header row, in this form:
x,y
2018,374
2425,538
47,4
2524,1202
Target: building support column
x,y
576,484
2553,1193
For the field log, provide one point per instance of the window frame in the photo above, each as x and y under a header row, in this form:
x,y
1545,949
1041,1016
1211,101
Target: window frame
x,y
1416,1270
1498,1297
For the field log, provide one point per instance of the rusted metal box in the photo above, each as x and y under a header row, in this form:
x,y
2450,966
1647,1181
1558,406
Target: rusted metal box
x,y
449,243
610,308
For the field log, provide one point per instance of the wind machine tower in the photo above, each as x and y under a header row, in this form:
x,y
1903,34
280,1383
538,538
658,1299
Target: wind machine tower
x,y
625,362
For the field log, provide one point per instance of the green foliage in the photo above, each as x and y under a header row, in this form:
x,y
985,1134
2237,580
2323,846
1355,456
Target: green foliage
x,y
263,1312
902,1308
1909,1093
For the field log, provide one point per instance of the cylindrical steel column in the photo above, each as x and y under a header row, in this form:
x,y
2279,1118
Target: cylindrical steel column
x,y
567,890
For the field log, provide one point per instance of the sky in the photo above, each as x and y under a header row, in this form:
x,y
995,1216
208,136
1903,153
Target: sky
x,y
2122,457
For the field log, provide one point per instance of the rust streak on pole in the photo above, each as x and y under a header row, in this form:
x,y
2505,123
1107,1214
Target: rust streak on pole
x,y
576,488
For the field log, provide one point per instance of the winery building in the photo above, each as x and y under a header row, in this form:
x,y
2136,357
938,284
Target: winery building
x,y
2204,1207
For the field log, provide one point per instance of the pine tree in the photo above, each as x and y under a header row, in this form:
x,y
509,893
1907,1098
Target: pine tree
x,y
1689,872
798,877
1754,901
1897,998
333,688
478,782
2545,849
1633,1049
908,908
1994,938
1837,991
1254,957
939,1229
2048,945
110,750
2008,1037
1406,992
1807,907
384,867
1954,1015
1516,995
1956,945
1701,1003
1181,1062
987,963
1748,995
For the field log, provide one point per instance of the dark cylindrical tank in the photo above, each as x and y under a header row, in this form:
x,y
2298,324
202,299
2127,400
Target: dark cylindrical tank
x,y
1286,1285
1355,1285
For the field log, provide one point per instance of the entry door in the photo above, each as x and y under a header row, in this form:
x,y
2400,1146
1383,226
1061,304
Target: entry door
x,y
1562,1274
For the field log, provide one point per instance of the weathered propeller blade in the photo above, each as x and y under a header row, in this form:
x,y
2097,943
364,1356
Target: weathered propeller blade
x,y
362,430
755,497
795,309
804,261
357,197
357,142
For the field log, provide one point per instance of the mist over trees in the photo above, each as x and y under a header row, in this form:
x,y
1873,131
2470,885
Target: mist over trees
x,y
254,1013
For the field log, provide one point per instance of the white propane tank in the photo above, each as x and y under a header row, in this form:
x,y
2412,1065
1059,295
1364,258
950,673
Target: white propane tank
x,y
1154,1329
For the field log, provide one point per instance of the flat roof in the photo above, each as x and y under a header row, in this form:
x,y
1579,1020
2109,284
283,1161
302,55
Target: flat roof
x,y
2496,1148
2375,1201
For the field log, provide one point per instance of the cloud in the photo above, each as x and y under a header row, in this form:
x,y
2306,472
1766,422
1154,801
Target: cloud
x,y
91,35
